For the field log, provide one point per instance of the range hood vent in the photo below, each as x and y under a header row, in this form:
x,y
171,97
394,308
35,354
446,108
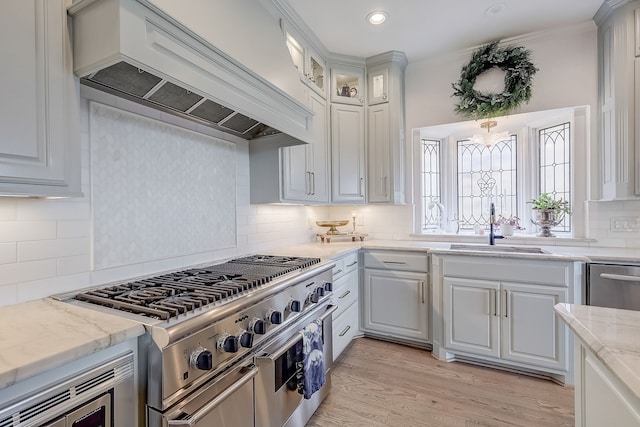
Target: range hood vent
x,y
137,85
140,51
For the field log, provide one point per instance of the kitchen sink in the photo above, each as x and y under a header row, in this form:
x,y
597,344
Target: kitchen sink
x,y
499,248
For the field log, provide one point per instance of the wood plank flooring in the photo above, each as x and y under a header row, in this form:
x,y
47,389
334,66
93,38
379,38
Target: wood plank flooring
x,y
376,383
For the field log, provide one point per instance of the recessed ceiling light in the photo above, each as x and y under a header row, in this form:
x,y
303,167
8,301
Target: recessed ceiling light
x,y
495,9
377,17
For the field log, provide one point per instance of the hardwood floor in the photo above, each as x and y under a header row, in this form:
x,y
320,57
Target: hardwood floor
x,y
376,383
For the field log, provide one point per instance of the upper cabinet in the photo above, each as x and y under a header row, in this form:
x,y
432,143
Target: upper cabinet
x,y
619,99
385,125
311,66
378,84
347,84
39,148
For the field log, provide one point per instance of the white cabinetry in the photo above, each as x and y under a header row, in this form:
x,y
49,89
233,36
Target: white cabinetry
x,y
345,296
385,148
395,295
309,63
501,310
619,99
39,147
509,321
601,400
305,167
347,154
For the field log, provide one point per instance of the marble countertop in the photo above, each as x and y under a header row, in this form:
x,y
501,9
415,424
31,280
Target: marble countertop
x,y
58,332
39,335
612,336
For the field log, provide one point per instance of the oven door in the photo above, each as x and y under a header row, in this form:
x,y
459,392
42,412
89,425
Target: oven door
x,y
96,413
277,397
226,402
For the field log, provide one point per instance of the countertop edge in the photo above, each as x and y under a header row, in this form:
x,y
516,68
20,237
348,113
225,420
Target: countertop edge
x,y
609,357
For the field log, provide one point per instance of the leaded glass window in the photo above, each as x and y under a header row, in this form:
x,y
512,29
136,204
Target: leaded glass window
x,y
430,175
486,175
555,166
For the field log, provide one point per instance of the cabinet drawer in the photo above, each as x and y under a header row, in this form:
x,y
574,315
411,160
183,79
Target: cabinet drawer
x,y
345,327
338,270
542,272
396,260
345,264
345,292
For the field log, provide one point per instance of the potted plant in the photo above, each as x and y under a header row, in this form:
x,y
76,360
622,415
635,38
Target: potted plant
x,y
548,212
507,225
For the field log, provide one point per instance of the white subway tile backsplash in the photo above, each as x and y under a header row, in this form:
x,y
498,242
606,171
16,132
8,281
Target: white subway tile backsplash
x,y
45,249
8,253
37,210
27,271
74,264
19,231
58,285
8,295
8,209
69,229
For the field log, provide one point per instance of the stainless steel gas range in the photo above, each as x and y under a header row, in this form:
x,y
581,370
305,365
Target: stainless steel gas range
x,y
217,332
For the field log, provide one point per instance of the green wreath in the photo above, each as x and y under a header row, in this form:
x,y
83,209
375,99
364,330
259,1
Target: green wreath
x,y
519,72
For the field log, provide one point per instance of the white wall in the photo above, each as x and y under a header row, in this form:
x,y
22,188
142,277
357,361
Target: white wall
x,y
46,245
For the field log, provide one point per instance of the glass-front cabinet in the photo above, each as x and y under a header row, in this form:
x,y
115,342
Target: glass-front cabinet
x,y
347,85
310,65
378,85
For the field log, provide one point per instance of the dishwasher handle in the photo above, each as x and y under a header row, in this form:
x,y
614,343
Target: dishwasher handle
x,y
622,277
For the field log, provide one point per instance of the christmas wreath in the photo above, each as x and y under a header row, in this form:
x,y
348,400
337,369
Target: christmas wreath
x,y
519,71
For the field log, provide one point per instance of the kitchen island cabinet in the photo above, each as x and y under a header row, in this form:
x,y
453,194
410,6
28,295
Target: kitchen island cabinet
x,y
500,310
40,146
395,296
607,380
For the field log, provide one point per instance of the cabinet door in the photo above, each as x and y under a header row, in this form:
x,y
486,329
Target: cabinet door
x,y
531,332
347,85
305,175
395,303
379,156
318,156
347,154
316,71
378,82
471,316
36,156
296,177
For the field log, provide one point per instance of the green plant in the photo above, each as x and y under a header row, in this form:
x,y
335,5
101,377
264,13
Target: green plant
x,y
519,71
546,202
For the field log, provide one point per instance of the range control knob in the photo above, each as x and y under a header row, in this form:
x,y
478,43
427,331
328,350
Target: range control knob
x,y
294,306
320,291
201,359
246,339
258,326
313,297
274,317
328,286
228,344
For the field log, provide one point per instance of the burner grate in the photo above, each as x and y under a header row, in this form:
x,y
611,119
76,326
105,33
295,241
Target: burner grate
x,y
172,294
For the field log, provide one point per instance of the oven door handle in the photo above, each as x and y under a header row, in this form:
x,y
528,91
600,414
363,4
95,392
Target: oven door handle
x,y
624,277
297,337
206,409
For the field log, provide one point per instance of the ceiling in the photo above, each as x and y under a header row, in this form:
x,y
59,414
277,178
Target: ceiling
x,y
427,28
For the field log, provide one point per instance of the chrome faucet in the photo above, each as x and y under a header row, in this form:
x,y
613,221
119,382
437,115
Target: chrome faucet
x,y
492,219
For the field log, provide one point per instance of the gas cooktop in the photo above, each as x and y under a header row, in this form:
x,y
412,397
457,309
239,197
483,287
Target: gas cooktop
x,y
169,295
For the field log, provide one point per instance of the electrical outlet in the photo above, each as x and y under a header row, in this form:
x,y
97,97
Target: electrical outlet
x,y
360,220
624,223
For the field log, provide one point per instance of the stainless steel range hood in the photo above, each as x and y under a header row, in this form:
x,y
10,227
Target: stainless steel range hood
x,y
221,63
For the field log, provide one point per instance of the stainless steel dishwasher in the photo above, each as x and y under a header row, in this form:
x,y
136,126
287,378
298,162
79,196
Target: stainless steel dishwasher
x,y
614,285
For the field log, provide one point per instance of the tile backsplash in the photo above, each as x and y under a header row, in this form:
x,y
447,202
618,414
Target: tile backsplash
x,y
46,246
158,190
